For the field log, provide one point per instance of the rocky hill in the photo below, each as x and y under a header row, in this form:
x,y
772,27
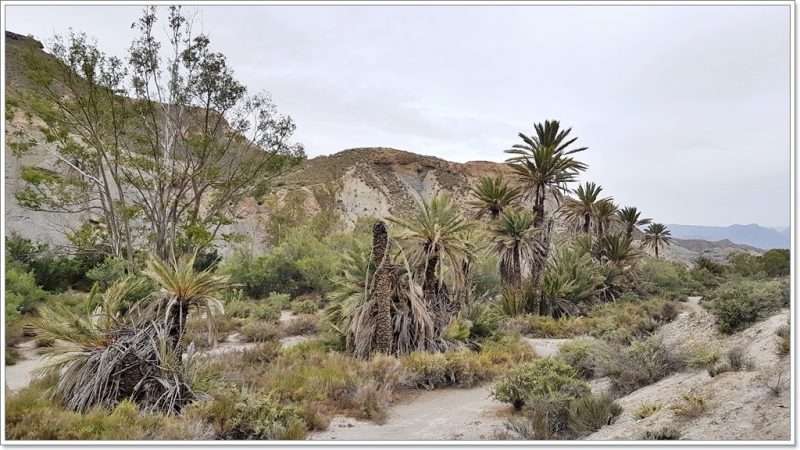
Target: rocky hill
x,y
360,182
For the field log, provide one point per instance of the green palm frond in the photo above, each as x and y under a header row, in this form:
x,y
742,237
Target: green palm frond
x,y
492,196
657,236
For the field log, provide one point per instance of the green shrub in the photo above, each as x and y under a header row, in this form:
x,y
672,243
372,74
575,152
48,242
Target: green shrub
x,y
238,309
260,331
590,413
261,418
430,371
304,306
483,318
281,301
645,410
776,262
739,303
580,354
642,363
539,378
108,272
22,282
662,434
709,265
267,313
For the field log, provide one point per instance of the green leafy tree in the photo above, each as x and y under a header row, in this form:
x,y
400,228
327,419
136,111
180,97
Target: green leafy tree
x,y
776,262
158,145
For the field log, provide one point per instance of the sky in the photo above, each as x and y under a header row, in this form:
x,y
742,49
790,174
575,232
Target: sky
x,y
685,109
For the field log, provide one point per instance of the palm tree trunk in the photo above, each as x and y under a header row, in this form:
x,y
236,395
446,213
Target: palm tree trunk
x,y
177,325
656,247
629,232
586,223
383,287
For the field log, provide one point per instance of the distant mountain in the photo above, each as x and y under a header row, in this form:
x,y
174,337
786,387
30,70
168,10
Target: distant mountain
x,y
753,235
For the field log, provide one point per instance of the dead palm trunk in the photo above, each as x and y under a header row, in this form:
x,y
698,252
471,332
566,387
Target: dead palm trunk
x,y
383,287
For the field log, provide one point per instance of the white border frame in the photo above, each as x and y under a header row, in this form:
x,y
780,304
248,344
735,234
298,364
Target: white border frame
x,y
423,444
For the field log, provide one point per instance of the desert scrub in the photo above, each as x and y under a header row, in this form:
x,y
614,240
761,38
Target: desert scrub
x,y
32,415
622,321
260,331
645,410
662,434
547,327
783,343
690,406
581,354
739,303
304,306
543,377
739,360
592,412
197,330
643,362
234,416
280,301
268,313
302,324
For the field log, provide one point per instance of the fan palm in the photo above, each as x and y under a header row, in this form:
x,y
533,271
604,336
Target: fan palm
x,y
657,236
604,212
629,216
618,250
492,196
436,234
514,238
581,210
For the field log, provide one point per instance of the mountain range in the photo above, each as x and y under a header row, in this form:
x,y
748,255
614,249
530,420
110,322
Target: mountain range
x,y
753,234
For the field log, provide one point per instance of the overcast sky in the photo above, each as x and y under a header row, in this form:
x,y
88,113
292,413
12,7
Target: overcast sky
x,y
685,108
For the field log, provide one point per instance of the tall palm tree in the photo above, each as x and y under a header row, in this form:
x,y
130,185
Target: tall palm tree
x,y
514,238
629,216
435,234
581,210
656,236
604,212
492,196
544,165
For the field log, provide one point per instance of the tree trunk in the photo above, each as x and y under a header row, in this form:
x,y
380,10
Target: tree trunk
x,y
177,325
587,218
656,247
383,287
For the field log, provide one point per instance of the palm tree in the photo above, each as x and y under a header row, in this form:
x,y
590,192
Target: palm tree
x,y
656,236
570,279
514,238
604,212
492,196
629,216
436,234
582,209
618,250
543,164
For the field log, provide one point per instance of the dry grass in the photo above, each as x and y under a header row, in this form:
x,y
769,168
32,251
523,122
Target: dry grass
x,y
690,406
645,410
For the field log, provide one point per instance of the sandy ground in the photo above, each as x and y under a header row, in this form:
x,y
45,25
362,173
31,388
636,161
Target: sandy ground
x,y
20,374
741,405
441,414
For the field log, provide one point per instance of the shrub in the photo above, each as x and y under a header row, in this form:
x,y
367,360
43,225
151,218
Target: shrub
x,y
484,319
262,353
641,363
718,369
22,283
267,313
260,331
281,301
690,406
262,418
739,303
539,378
238,309
433,370
645,410
738,359
709,265
548,327
662,434
703,357
776,262
580,354
108,272
783,343
304,306
590,413
301,325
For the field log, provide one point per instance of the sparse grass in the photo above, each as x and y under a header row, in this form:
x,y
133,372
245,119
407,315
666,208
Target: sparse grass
x,y
776,384
662,434
739,360
703,357
783,343
645,410
690,406
590,413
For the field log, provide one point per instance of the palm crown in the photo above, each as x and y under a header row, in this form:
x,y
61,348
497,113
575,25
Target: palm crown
x,y
582,209
492,196
656,236
629,216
